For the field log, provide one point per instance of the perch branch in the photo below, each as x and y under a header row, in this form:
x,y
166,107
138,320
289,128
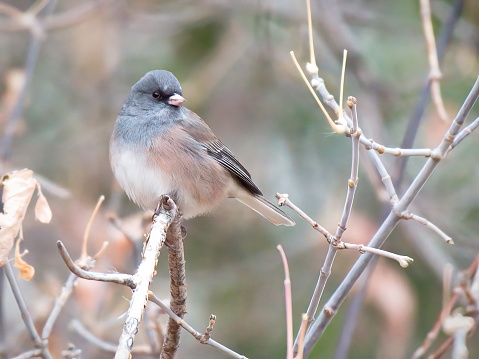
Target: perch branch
x,y
176,262
164,215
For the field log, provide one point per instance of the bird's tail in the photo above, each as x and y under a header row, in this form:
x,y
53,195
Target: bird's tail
x,y
265,208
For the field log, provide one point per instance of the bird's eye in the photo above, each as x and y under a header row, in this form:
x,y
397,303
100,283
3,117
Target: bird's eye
x,y
156,94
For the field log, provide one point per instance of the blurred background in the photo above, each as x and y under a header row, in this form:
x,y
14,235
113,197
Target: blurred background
x,y
232,59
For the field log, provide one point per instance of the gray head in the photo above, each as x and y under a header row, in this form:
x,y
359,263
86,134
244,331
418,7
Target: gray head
x,y
155,88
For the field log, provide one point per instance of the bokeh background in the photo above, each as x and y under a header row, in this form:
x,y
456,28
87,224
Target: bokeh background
x,y
232,58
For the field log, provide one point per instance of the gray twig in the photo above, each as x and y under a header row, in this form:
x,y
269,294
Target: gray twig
x,y
198,336
118,278
389,224
41,345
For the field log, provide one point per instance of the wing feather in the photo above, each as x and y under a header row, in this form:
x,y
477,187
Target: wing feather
x,y
200,132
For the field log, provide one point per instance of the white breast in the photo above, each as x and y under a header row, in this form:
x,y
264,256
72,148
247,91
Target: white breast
x,y
142,183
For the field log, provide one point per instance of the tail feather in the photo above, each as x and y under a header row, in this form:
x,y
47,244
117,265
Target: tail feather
x,y
266,209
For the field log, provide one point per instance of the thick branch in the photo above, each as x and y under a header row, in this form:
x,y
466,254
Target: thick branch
x,y
176,260
164,215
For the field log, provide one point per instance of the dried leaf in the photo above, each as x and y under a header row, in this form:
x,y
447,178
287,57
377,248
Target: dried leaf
x,y
7,237
42,210
18,190
17,193
26,270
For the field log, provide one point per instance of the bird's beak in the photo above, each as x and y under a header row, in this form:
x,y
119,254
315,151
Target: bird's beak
x,y
176,100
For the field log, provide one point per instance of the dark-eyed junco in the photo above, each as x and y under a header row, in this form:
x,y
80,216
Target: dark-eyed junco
x,y
160,147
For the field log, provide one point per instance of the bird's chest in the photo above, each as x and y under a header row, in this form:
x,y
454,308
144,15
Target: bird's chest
x,y
142,182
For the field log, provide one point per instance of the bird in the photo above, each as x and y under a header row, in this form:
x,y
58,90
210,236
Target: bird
x,y
160,147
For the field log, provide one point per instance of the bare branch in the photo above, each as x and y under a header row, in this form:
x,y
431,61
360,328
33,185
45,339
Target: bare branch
x,y
435,73
334,126
59,304
27,319
288,304
118,278
84,254
102,344
389,224
403,261
302,332
464,133
164,215
198,336
353,178
176,262
209,329
283,200
429,225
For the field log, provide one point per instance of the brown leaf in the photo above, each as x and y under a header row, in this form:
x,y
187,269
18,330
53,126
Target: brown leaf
x,y
42,210
26,270
18,190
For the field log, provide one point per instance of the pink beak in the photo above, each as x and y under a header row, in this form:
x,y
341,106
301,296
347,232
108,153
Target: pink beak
x,y
176,100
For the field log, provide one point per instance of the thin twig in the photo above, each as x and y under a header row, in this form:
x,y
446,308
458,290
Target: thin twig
x,y
84,251
464,133
302,333
403,261
310,35
288,304
283,200
104,345
198,336
334,126
118,278
428,225
341,88
27,318
389,224
435,72
353,178
209,329
59,303
418,112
